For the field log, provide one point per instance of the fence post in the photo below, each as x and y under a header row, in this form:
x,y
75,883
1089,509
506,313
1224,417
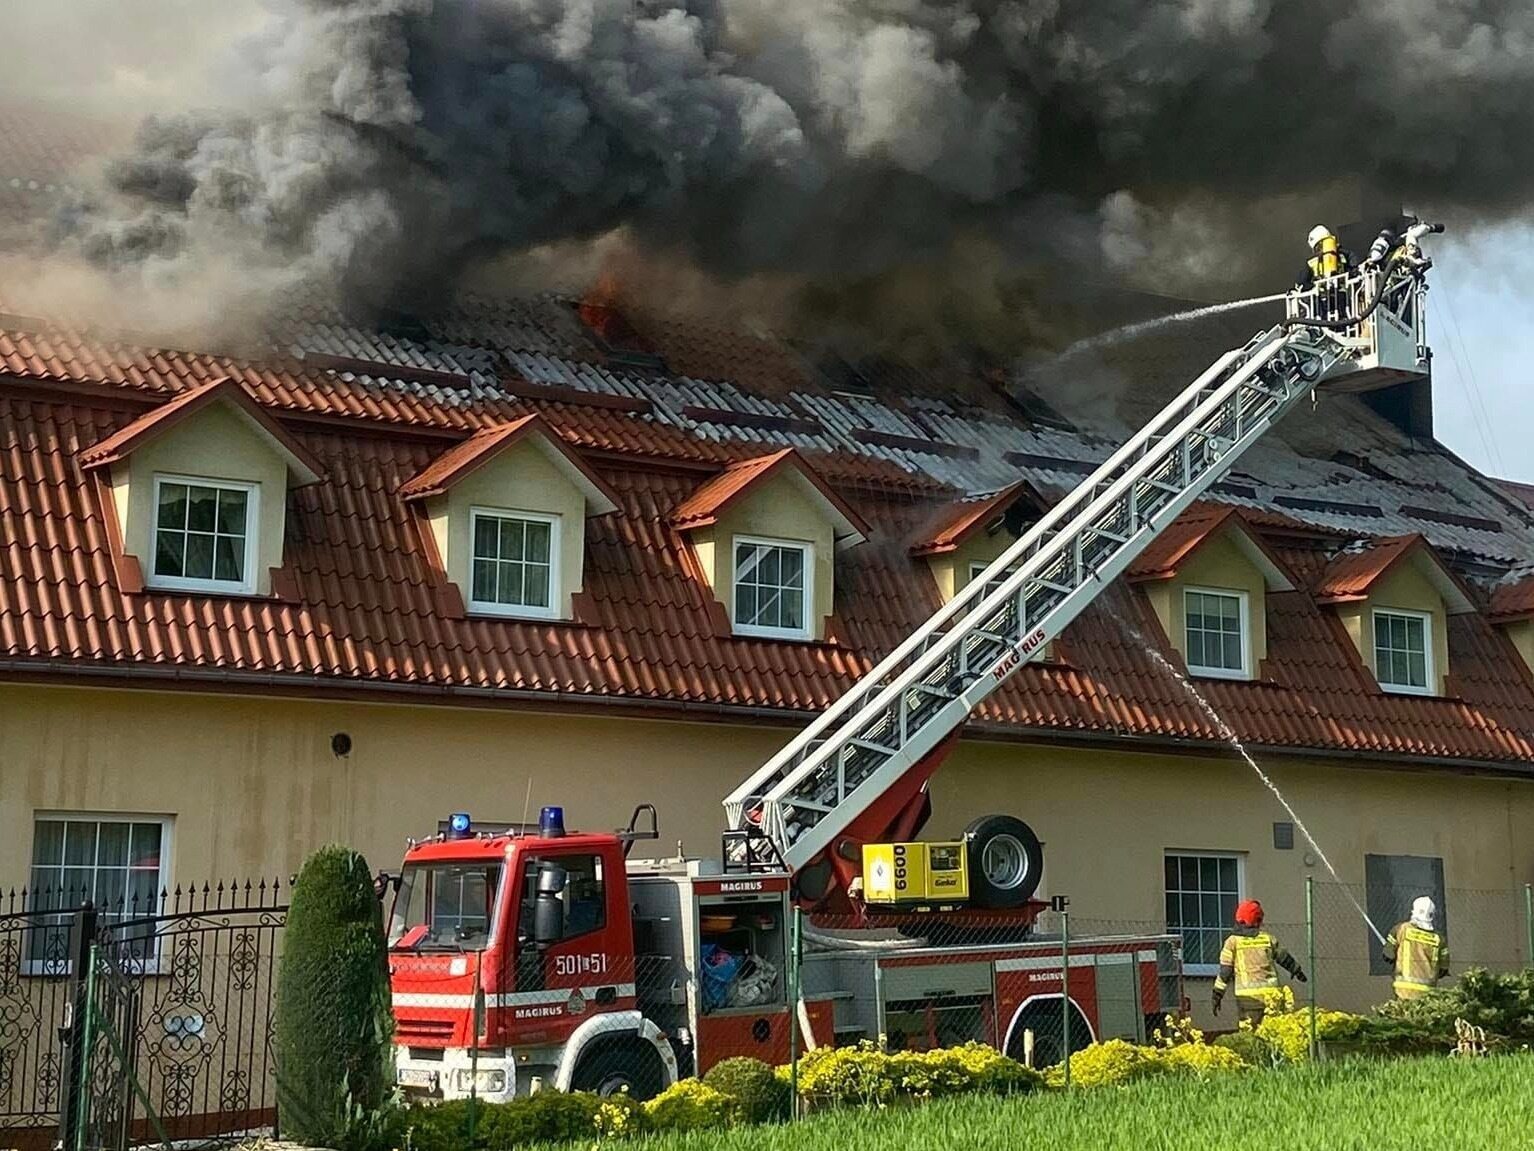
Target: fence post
x,y
1310,944
795,954
82,934
477,1022
1528,922
1065,987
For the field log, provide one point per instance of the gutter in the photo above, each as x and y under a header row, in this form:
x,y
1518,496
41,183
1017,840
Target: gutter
x,y
308,687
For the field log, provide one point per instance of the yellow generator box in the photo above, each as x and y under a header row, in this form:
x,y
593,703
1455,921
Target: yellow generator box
x,y
915,872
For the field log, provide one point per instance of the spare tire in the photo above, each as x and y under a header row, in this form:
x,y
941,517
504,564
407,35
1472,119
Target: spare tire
x,y
1006,861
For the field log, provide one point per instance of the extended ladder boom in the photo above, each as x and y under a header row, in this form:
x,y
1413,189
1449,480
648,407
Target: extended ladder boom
x,y
861,746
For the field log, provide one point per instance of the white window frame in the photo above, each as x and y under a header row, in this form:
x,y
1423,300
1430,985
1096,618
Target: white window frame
x,y
247,586
1244,620
555,609
152,965
1426,618
807,550
976,570
1203,970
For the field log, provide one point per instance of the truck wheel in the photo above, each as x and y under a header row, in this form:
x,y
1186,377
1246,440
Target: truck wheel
x,y
1005,861
631,1066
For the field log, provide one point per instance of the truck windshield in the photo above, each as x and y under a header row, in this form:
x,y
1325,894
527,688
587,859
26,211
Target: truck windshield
x,y
445,907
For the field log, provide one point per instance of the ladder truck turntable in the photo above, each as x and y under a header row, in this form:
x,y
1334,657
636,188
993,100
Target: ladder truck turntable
x,y
527,957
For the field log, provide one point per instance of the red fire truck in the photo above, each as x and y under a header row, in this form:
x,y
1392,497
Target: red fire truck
x,y
526,957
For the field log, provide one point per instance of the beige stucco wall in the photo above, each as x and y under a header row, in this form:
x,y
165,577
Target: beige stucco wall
x,y
252,786
1522,635
217,444
779,509
1404,588
1218,565
520,479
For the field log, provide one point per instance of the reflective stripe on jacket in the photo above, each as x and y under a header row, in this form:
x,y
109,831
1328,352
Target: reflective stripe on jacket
x,y
1421,959
1251,959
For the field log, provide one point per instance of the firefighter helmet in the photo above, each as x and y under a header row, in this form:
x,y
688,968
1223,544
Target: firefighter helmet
x,y
1249,914
1317,234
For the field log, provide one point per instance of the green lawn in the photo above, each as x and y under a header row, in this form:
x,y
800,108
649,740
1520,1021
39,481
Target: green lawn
x,y
1411,1105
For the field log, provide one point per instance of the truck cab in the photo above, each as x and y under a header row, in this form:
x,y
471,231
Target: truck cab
x,y
511,962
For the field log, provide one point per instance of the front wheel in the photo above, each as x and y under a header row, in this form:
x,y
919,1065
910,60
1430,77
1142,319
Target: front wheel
x,y
633,1067
1006,862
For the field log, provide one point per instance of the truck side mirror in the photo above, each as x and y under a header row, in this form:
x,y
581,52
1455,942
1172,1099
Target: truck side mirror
x,y
549,907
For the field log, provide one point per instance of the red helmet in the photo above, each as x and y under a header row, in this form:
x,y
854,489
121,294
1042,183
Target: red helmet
x,y
1249,914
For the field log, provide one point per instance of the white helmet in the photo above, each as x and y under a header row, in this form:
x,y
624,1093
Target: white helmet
x,y
1318,233
1423,913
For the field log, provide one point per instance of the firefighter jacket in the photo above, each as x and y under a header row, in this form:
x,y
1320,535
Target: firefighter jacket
x,y
1249,963
1421,959
1324,265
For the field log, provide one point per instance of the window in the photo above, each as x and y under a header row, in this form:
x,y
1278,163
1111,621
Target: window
x,y
445,907
515,563
772,589
977,570
204,535
1391,884
1202,891
1402,655
577,880
117,862
1217,632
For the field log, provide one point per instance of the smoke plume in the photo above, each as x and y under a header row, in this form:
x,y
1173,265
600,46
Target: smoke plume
x,y
931,152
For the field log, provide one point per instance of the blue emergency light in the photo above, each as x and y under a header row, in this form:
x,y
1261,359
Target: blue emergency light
x,y
458,824
551,822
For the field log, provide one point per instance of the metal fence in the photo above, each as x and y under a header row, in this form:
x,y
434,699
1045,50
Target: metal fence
x,y
146,1018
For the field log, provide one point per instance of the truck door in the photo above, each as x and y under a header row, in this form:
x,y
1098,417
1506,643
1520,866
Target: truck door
x,y
573,931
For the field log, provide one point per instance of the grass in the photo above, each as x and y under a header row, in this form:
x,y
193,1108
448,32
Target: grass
x,y
1410,1105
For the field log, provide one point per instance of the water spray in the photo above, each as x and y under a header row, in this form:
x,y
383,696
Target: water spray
x,y
1134,331
1230,736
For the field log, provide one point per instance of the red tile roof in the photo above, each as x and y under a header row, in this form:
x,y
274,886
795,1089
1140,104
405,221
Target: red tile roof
x,y
364,613
706,504
956,523
1513,599
1352,573
127,439
1179,540
461,459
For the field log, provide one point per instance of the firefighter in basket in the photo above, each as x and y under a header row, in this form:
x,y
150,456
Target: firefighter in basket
x,y
1328,263
1249,964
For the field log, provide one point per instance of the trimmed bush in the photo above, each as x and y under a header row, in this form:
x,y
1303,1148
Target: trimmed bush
x,y
1109,1064
865,1075
759,1095
1201,1059
691,1105
333,1019
547,1117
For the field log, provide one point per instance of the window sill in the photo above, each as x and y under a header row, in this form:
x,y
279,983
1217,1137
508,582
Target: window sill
x,y
781,635
515,614
1220,673
193,587
1415,692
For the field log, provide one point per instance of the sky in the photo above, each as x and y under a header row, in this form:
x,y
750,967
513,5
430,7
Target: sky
x,y
1481,328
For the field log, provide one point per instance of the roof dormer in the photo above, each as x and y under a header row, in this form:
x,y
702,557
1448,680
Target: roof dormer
x,y
1512,611
194,493
971,533
1394,596
504,514
1208,576
765,532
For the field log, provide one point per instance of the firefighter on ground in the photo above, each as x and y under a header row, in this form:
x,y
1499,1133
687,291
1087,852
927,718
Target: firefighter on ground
x,y
1249,964
1419,952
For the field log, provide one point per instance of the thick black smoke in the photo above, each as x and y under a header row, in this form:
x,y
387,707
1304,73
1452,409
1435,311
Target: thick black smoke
x,y
389,145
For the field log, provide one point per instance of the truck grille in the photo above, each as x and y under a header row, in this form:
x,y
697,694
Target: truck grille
x,y
431,1032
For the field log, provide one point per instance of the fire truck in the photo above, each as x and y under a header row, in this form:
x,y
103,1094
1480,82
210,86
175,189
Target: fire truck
x,y
528,957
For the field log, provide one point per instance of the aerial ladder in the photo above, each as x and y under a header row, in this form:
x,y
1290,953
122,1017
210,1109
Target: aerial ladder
x,y
858,774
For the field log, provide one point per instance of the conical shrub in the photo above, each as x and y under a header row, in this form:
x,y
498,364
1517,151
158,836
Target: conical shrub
x,y
333,1019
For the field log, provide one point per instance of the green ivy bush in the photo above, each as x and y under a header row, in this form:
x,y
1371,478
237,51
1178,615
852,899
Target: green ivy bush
x,y
759,1095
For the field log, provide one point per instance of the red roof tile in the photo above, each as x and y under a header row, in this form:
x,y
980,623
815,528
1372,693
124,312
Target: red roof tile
x,y
127,439
962,519
365,607
461,459
1513,599
706,504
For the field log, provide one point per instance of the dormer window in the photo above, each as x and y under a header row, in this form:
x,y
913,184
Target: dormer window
x,y
515,563
976,570
203,533
773,581
194,494
1403,651
1218,634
